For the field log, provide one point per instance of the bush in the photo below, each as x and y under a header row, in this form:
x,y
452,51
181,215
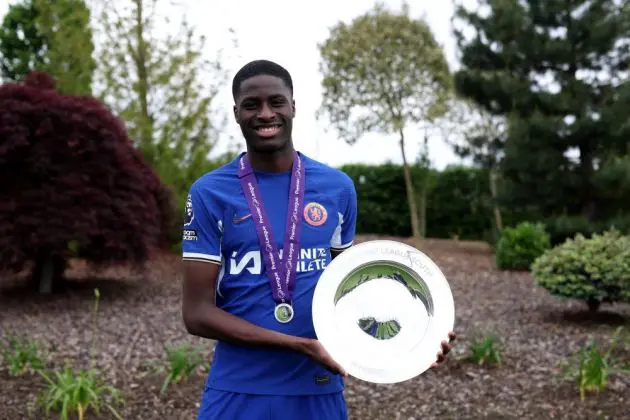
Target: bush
x,y
519,246
620,223
459,204
382,198
76,181
458,200
594,270
564,227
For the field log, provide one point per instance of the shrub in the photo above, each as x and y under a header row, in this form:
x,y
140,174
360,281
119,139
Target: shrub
x,y
591,368
486,351
564,227
75,178
80,390
519,246
181,362
595,269
21,355
458,200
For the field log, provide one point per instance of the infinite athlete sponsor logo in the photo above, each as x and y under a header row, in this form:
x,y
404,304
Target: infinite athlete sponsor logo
x,y
310,259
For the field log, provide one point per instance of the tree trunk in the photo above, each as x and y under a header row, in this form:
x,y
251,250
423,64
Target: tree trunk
x,y
47,272
411,195
422,212
493,191
141,57
586,174
593,305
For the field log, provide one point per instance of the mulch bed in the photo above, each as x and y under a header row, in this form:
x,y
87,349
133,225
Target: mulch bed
x,y
140,314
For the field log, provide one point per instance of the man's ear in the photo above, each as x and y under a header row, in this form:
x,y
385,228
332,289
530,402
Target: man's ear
x,y
235,113
293,108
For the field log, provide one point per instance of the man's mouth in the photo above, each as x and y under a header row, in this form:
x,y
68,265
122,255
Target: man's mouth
x,y
268,130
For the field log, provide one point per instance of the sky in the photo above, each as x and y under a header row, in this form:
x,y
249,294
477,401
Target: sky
x,y
288,32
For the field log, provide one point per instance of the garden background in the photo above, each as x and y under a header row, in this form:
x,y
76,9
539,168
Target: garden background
x,y
110,110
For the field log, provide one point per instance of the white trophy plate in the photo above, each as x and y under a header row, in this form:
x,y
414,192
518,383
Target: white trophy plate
x,y
381,309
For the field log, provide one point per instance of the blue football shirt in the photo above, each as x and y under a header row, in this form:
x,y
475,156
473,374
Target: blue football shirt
x,y
219,229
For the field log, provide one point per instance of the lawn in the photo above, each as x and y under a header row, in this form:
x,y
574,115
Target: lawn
x,y
139,315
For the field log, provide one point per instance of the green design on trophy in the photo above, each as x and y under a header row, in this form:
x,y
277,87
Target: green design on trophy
x,y
384,329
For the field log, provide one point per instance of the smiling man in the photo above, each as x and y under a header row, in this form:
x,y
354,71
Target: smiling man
x,y
258,233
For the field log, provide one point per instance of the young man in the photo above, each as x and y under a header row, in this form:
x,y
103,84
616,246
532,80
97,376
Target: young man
x,y
258,233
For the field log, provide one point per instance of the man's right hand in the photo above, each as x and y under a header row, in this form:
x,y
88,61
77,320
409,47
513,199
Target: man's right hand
x,y
315,350
203,319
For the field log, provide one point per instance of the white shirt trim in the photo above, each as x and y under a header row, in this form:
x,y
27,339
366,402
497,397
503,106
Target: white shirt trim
x,y
199,256
344,246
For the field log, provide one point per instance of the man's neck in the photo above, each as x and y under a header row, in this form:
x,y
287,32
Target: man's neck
x,y
280,161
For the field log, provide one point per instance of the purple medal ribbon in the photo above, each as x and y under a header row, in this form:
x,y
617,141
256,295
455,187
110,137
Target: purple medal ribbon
x,y
281,274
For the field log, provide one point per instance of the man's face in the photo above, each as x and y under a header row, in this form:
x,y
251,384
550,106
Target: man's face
x,y
265,109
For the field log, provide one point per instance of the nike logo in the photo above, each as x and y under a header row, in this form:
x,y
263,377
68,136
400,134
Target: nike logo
x,y
237,220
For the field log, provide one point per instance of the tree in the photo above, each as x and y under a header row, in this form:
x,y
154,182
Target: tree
x,y
382,73
78,186
426,180
70,56
162,87
558,70
476,134
22,46
52,37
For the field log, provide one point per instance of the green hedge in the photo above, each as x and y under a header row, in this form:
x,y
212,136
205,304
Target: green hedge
x,y
382,199
458,200
459,204
566,227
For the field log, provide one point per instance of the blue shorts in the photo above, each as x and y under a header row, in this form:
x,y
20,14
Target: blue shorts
x,y
221,405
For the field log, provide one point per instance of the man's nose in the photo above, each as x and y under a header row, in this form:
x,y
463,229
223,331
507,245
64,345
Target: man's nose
x,y
266,112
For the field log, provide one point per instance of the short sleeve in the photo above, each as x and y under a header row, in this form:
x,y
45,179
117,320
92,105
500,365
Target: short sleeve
x,y
203,228
346,229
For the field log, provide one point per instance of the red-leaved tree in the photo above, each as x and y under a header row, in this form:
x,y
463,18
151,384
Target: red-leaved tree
x,y
72,184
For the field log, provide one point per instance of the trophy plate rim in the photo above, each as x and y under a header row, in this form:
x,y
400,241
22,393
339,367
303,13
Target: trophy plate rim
x,y
410,362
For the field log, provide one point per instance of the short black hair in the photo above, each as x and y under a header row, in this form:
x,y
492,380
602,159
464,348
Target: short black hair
x,y
258,67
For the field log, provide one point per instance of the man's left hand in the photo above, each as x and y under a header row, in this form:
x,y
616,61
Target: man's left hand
x,y
446,348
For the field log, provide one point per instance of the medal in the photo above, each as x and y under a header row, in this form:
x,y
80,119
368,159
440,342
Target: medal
x,y
281,274
283,313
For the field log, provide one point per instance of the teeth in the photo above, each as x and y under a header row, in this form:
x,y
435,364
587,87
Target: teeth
x,y
268,130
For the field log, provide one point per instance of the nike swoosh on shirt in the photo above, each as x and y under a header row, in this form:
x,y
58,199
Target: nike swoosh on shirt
x,y
237,220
